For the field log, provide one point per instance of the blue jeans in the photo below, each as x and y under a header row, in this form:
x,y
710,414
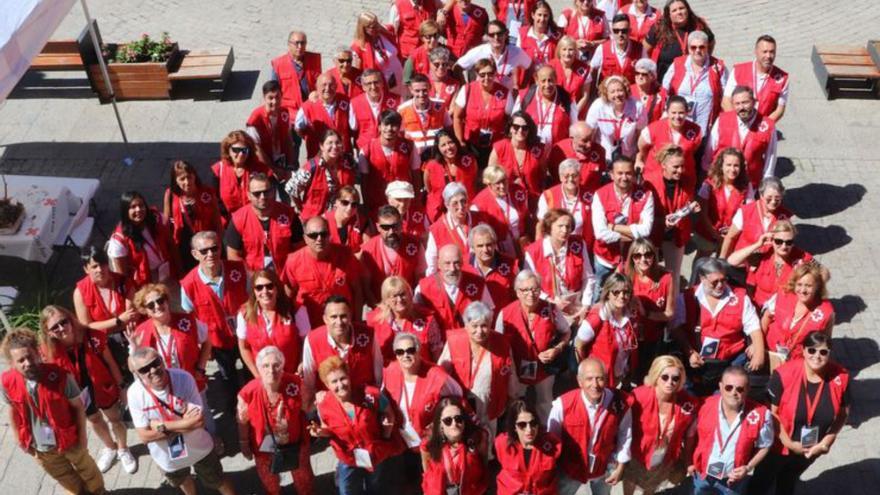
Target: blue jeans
x,y
601,272
712,486
353,480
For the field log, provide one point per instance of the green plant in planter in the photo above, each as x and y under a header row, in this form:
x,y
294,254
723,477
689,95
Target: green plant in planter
x,y
144,49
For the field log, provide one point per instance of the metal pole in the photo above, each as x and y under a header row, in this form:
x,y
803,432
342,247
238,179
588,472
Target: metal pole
x,y
104,72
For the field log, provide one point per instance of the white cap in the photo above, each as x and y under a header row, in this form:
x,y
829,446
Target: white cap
x,y
400,190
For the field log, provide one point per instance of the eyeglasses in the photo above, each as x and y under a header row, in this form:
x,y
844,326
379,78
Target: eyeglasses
x,y
618,292
519,127
297,42
620,31
156,303
485,75
440,64
314,235
210,249
155,364
344,60
667,377
261,193
647,255
240,149
458,418
345,202
822,352
262,287
730,388
698,47
409,350
521,425
642,74
59,325
532,290
780,242
389,226
496,34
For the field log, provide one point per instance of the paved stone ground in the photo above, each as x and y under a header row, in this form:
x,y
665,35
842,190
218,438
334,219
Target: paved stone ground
x,y
55,127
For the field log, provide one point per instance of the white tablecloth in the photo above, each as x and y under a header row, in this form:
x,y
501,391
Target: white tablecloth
x,y
51,211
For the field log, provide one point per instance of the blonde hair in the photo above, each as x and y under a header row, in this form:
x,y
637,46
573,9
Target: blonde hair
x,y
565,42
140,297
389,286
783,226
661,363
493,174
46,339
365,19
603,88
820,276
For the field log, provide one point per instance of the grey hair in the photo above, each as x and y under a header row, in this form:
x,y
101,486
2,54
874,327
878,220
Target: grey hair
x,y
142,352
452,190
477,312
406,336
202,235
707,266
526,274
342,49
698,36
771,183
646,65
570,164
440,54
266,352
481,229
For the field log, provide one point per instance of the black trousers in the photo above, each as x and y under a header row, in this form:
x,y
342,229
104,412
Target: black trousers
x,y
778,474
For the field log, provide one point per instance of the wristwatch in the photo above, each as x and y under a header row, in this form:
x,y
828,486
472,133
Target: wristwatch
x,y
161,428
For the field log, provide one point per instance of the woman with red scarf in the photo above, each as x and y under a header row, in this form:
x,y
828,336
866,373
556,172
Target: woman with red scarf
x,y
449,162
347,227
191,207
267,319
270,416
454,455
527,454
239,158
810,399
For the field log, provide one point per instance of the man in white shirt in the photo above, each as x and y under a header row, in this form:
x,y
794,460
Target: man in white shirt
x,y
769,82
168,415
509,59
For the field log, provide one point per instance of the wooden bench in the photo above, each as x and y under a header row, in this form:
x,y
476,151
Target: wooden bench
x,y
205,65
59,55
847,70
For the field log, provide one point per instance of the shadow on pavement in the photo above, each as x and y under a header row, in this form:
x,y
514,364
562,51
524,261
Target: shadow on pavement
x,y
822,200
784,167
847,307
820,239
855,478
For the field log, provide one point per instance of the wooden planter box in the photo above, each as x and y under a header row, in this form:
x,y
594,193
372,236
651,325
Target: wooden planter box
x,y
137,81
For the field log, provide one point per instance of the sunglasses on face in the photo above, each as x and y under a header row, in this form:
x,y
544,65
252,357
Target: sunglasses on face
x,y
781,242
297,42
620,31
667,377
618,292
261,193
58,326
389,226
409,350
822,352
430,36
496,34
344,60
314,235
521,425
240,149
345,202
716,282
642,74
458,419
648,256
262,287
440,64
210,249
698,47
155,364
156,303
519,127
731,388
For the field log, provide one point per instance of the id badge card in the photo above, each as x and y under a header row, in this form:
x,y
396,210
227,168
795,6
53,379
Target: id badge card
x,y
45,435
362,459
267,445
715,470
85,397
528,370
177,448
809,435
410,436
709,348
268,263
783,352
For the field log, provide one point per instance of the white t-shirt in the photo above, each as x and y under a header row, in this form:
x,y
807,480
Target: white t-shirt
x,y
116,249
512,58
601,117
144,409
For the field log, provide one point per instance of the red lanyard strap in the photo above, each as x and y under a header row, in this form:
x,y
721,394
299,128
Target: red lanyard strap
x,y
812,403
162,406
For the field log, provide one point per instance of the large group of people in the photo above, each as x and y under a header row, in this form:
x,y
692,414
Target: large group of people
x,y
456,258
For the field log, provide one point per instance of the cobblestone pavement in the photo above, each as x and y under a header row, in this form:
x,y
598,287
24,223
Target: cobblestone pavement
x,y
829,159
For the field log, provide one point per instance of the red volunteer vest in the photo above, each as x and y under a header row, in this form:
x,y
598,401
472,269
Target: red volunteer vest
x,y
350,90
611,64
363,432
726,326
554,199
203,213
254,239
557,115
354,231
426,395
435,298
576,256
527,342
499,280
771,91
320,191
320,121
753,227
284,336
415,221
689,140
755,145
646,424
410,18
470,472
367,127
383,169
444,233
792,375
592,163
316,280
54,407
753,415
783,334
521,9
613,206
91,296
139,263
359,358
367,53
540,52
497,217
420,62
234,190
605,346
259,409
444,90
538,476
765,278
499,354
289,78
530,173
272,138
652,294
207,307
636,32
574,83
184,334
591,30
461,36
438,175
655,103
93,346
379,266
665,205
384,333
716,69
482,115
720,207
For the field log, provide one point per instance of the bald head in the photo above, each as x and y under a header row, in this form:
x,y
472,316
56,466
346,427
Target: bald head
x,y
317,235
591,377
580,130
326,87
449,262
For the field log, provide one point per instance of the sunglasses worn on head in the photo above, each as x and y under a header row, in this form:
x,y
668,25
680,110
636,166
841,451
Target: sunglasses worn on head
x,y
521,425
822,352
780,242
409,350
240,149
152,365
210,249
314,235
155,303
730,388
666,377
458,418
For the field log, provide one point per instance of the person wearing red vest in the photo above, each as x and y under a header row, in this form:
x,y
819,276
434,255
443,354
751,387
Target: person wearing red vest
x,y
617,56
415,387
527,454
422,117
513,12
296,71
581,147
663,432
449,162
700,78
374,47
549,106
810,398
747,130
453,227
648,90
522,155
330,111
754,219
572,73
594,423
190,207
340,337
270,125
391,253
347,76
321,269
239,159
674,130
444,83
571,197
267,319
386,159
365,108
48,423
734,434
213,292
538,333
621,212
563,263
451,289
397,313
406,16
586,24
480,110
313,187
505,204
642,16
344,222
481,362
466,22
725,190
538,38
84,354
769,83
496,268
726,317
142,248
454,455
362,428
418,60
270,407
263,233
798,308
414,221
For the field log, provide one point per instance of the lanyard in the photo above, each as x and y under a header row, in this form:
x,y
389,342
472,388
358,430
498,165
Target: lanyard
x,y
682,41
596,426
517,8
696,79
448,173
449,464
473,370
584,26
812,403
722,445
453,232
739,142
419,121
662,433
387,266
163,407
793,338
167,352
617,127
34,406
501,63
545,113
185,214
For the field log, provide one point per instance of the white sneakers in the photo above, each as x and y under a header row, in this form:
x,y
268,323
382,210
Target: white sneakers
x,y
105,459
129,463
